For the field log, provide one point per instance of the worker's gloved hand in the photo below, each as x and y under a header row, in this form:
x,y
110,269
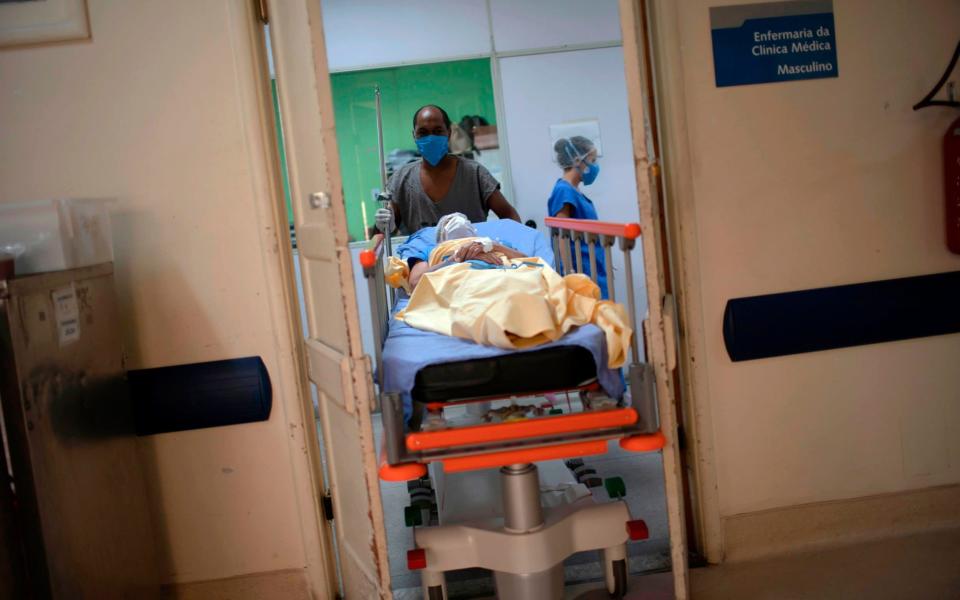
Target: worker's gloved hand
x,y
384,220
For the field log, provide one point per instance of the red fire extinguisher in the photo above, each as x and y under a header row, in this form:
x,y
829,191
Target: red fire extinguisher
x,y
951,154
951,180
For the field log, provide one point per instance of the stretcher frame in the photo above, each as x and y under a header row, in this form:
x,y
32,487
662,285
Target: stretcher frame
x,y
525,549
404,455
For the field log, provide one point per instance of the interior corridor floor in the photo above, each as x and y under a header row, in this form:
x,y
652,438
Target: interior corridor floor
x,y
923,566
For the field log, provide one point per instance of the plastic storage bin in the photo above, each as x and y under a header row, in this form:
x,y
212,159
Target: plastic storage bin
x,y
53,235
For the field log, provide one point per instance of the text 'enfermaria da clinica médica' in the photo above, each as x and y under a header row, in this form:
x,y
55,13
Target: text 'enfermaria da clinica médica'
x,y
797,41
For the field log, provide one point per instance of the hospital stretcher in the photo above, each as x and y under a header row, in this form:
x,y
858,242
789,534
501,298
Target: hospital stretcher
x,y
526,546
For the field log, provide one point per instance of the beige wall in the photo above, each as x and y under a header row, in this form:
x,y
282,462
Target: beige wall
x,y
797,185
161,112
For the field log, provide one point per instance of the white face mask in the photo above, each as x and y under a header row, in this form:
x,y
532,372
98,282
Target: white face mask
x,y
455,226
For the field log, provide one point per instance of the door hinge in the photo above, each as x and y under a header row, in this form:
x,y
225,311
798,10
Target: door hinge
x,y
262,12
681,438
327,502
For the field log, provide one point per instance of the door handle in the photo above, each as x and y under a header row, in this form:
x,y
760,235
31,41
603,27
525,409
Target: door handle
x,y
319,200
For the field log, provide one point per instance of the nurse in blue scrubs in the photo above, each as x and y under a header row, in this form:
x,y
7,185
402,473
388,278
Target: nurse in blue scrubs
x,y
577,156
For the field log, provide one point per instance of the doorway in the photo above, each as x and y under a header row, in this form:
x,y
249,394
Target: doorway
x,y
581,79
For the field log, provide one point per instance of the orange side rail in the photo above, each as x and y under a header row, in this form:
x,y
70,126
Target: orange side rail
x,y
525,455
519,430
649,442
401,472
631,231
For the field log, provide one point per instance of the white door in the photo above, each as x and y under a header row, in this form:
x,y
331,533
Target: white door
x,y
659,328
334,350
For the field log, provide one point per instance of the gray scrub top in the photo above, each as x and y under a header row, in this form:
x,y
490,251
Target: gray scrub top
x,y
469,194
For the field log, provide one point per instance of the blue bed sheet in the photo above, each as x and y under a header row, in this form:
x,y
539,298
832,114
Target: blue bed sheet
x,y
407,350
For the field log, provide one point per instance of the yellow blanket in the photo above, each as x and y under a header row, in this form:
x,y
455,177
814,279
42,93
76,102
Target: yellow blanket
x,y
523,305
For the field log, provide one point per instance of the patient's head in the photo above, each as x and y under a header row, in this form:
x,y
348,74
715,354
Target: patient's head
x,y
454,227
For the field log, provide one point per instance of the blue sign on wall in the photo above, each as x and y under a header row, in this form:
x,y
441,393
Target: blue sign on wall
x,y
774,41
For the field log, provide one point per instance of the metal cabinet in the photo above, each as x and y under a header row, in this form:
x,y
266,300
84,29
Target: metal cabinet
x,y
82,521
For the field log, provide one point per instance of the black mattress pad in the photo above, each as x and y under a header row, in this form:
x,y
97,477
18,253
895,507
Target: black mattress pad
x,y
554,368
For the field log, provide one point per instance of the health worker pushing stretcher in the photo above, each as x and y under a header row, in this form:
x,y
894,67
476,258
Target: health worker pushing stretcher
x,y
440,183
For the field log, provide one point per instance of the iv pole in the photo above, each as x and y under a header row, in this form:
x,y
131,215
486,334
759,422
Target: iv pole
x,y
383,197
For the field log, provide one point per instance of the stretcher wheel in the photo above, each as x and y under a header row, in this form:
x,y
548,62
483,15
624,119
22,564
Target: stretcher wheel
x,y
418,484
435,592
587,476
584,474
423,499
615,487
413,516
619,579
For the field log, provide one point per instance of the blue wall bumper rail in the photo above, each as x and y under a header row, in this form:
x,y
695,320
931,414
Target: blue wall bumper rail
x,y
199,395
842,316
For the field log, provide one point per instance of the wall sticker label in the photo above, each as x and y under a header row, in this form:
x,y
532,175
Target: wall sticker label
x,y
773,41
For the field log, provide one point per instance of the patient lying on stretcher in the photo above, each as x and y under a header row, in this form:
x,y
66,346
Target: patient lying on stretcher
x,y
457,242
473,288
462,245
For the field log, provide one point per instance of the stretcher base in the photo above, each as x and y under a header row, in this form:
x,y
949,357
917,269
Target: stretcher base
x,y
525,549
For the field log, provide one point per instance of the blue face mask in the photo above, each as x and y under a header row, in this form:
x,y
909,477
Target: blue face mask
x,y
589,175
433,148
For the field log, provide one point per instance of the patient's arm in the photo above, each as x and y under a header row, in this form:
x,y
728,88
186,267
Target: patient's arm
x,y
417,271
422,267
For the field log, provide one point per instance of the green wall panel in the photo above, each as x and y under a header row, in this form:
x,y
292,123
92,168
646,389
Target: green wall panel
x,y
460,87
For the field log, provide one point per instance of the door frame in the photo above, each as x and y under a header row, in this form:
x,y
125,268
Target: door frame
x,y
332,356
680,217
320,568
659,327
